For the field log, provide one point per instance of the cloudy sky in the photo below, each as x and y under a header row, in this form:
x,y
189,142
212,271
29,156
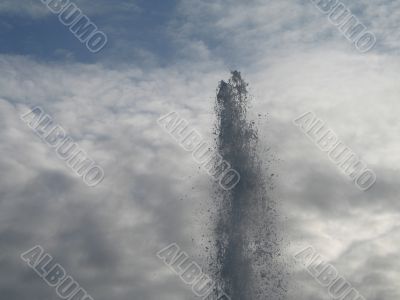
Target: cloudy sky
x,y
168,55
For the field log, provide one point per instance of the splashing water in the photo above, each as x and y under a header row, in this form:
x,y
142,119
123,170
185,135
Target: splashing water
x,y
247,248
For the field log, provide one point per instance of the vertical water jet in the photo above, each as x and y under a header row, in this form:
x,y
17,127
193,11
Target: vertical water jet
x,y
247,246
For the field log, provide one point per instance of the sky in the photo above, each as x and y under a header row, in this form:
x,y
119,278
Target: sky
x,y
169,55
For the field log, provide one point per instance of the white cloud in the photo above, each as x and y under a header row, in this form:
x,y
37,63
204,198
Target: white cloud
x,y
31,8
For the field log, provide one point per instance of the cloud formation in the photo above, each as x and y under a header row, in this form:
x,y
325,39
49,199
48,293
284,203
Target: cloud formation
x,y
153,193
